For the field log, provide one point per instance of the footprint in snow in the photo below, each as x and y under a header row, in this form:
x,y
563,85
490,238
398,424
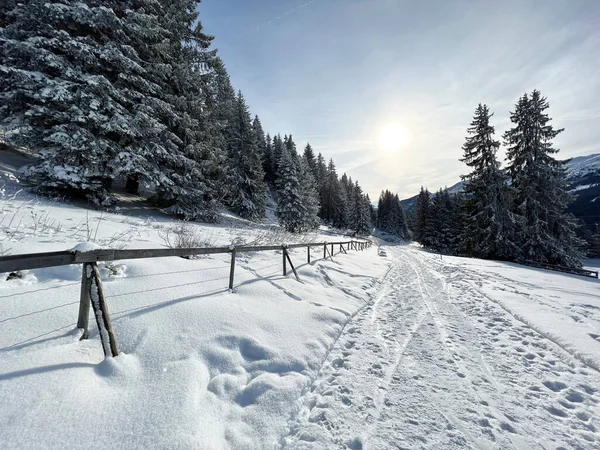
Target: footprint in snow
x,y
555,386
557,412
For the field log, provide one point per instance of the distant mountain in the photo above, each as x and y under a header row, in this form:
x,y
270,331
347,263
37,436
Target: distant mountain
x,y
584,176
410,204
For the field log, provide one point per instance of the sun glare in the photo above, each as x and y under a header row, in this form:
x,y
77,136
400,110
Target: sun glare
x,y
393,138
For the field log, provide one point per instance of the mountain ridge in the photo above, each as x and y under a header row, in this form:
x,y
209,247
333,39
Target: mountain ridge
x,y
584,178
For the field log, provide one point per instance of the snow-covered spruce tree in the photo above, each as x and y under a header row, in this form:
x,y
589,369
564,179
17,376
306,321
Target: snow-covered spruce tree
x,y
310,196
61,86
259,138
401,223
421,215
431,233
443,225
290,207
360,219
6,6
372,211
187,157
311,161
545,232
276,156
321,172
596,241
246,177
114,88
490,228
391,217
334,201
268,159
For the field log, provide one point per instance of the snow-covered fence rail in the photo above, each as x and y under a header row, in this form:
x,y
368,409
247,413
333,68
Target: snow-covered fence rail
x,y
92,293
564,269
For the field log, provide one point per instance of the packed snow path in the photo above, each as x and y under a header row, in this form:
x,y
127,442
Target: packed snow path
x,y
433,362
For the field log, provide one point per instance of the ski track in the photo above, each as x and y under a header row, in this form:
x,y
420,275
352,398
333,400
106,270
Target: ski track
x,y
432,362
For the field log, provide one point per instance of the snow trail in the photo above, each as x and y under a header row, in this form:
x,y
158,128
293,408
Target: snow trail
x,y
434,363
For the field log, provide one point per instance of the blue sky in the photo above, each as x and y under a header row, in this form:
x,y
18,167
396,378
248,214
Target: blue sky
x,y
335,72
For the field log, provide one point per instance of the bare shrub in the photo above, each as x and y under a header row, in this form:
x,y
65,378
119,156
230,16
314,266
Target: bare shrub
x,y
185,235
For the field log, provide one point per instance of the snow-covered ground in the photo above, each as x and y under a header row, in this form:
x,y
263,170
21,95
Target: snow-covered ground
x,y
407,350
201,367
461,353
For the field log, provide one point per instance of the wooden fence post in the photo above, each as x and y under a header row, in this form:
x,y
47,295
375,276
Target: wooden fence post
x,y
308,252
287,255
232,269
107,336
284,267
331,250
84,305
342,249
325,251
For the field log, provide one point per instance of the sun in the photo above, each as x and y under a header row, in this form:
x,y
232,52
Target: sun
x,y
392,138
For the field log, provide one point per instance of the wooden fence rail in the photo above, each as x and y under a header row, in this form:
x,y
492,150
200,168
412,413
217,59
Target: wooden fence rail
x,y
92,293
572,270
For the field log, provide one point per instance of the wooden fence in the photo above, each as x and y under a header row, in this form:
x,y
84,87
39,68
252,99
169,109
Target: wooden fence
x,y
564,269
92,293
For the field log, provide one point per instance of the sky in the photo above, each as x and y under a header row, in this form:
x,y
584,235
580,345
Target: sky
x,y
335,73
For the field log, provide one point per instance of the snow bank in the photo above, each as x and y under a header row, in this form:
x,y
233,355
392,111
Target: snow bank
x,y
200,367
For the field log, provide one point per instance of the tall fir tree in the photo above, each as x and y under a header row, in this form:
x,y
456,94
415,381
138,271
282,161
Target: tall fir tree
x,y
268,166
490,228
107,89
321,171
278,148
334,201
260,141
311,160
309,195
391,217
247,187
60,87
444,223
421,215
546,232
360,218
290,204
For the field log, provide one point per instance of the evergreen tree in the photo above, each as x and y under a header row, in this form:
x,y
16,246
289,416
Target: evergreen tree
x,y
360,219
186,167
334,202
401,223
277,154
309,195
391,217
60,66
268,165
311,160
320,172
489,230
372,212
107,89
260,141
6,6
596,240
546,232
290,205
421,215
248,189
443,224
